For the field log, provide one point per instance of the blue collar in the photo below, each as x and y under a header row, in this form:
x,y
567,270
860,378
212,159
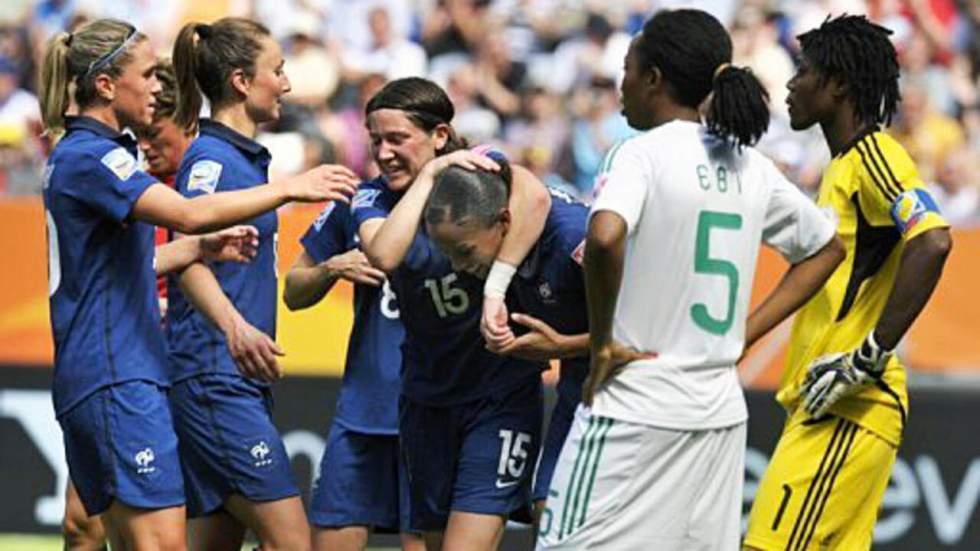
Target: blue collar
x,y
222,132
73,123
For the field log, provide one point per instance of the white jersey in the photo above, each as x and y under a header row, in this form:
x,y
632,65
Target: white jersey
x,y
697,210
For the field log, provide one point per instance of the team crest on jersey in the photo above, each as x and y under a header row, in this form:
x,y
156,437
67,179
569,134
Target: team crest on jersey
x,y
911,207
120,162
545,292
364,198
322,219
204,176
578,255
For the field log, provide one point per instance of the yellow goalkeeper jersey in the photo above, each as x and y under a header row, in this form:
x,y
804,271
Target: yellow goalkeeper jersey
x,y
874,192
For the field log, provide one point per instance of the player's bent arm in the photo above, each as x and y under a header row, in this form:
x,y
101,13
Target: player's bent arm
x,y
390,239
919,270
308,282
797,286
529,204
605,250
390,242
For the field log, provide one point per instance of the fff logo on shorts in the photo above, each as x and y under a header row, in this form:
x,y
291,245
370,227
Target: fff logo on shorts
x,y
260,453
144,461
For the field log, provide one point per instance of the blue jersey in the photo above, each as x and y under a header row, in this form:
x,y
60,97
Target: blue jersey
x,y
549,284
368,400
443,355
221,159
101,282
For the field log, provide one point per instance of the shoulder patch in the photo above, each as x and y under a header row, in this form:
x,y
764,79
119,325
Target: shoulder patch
x,y
324,214
204,176
120,162
910,207
364,198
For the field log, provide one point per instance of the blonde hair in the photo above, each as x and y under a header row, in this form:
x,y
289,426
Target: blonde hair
x,y
100,47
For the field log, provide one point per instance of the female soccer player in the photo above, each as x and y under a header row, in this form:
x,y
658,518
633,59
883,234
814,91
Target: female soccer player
x,y
362,485
654,458
163,145
110,373
469,420
843,387
467,216
223,317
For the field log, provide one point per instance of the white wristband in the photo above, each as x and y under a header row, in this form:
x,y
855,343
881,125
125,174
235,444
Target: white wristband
x,y
498,279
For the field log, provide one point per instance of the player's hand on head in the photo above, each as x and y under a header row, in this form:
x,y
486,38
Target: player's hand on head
x,y
493,323
463,158
322,183
235,244
355,267
605,363
254,352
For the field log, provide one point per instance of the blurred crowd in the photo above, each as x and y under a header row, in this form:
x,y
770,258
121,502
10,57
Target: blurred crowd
x,y
539,78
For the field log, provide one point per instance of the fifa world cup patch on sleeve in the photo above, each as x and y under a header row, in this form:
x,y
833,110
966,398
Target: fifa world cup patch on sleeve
x,y
120,162
364,198
910,207
204,176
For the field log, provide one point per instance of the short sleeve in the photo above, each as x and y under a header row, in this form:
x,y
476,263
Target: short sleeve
x,y
329,234
622,184
793,224
112,186
371,201
891,191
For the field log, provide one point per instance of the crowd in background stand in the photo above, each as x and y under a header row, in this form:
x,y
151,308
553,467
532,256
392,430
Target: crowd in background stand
x,y
539,78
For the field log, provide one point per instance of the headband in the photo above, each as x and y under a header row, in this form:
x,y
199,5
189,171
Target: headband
x,y
108,58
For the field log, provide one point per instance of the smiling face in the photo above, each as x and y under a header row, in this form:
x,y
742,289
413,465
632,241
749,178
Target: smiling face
x,y
811,97
264,91
470,246
400,147
132,91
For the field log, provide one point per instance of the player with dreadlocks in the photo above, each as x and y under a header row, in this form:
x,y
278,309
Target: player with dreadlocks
x,y
844,387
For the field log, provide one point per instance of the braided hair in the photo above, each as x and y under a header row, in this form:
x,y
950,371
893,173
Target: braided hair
x,y
859,52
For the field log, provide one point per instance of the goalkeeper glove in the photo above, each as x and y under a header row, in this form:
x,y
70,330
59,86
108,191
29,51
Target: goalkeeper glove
x,y
831,378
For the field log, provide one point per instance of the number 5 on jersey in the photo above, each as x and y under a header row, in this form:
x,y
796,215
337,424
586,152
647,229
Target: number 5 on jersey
x,y
705,264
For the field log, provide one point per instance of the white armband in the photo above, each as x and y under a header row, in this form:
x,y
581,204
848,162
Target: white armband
x,y
498,279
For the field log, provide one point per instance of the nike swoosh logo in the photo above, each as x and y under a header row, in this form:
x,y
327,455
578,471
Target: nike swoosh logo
x,y
501,484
